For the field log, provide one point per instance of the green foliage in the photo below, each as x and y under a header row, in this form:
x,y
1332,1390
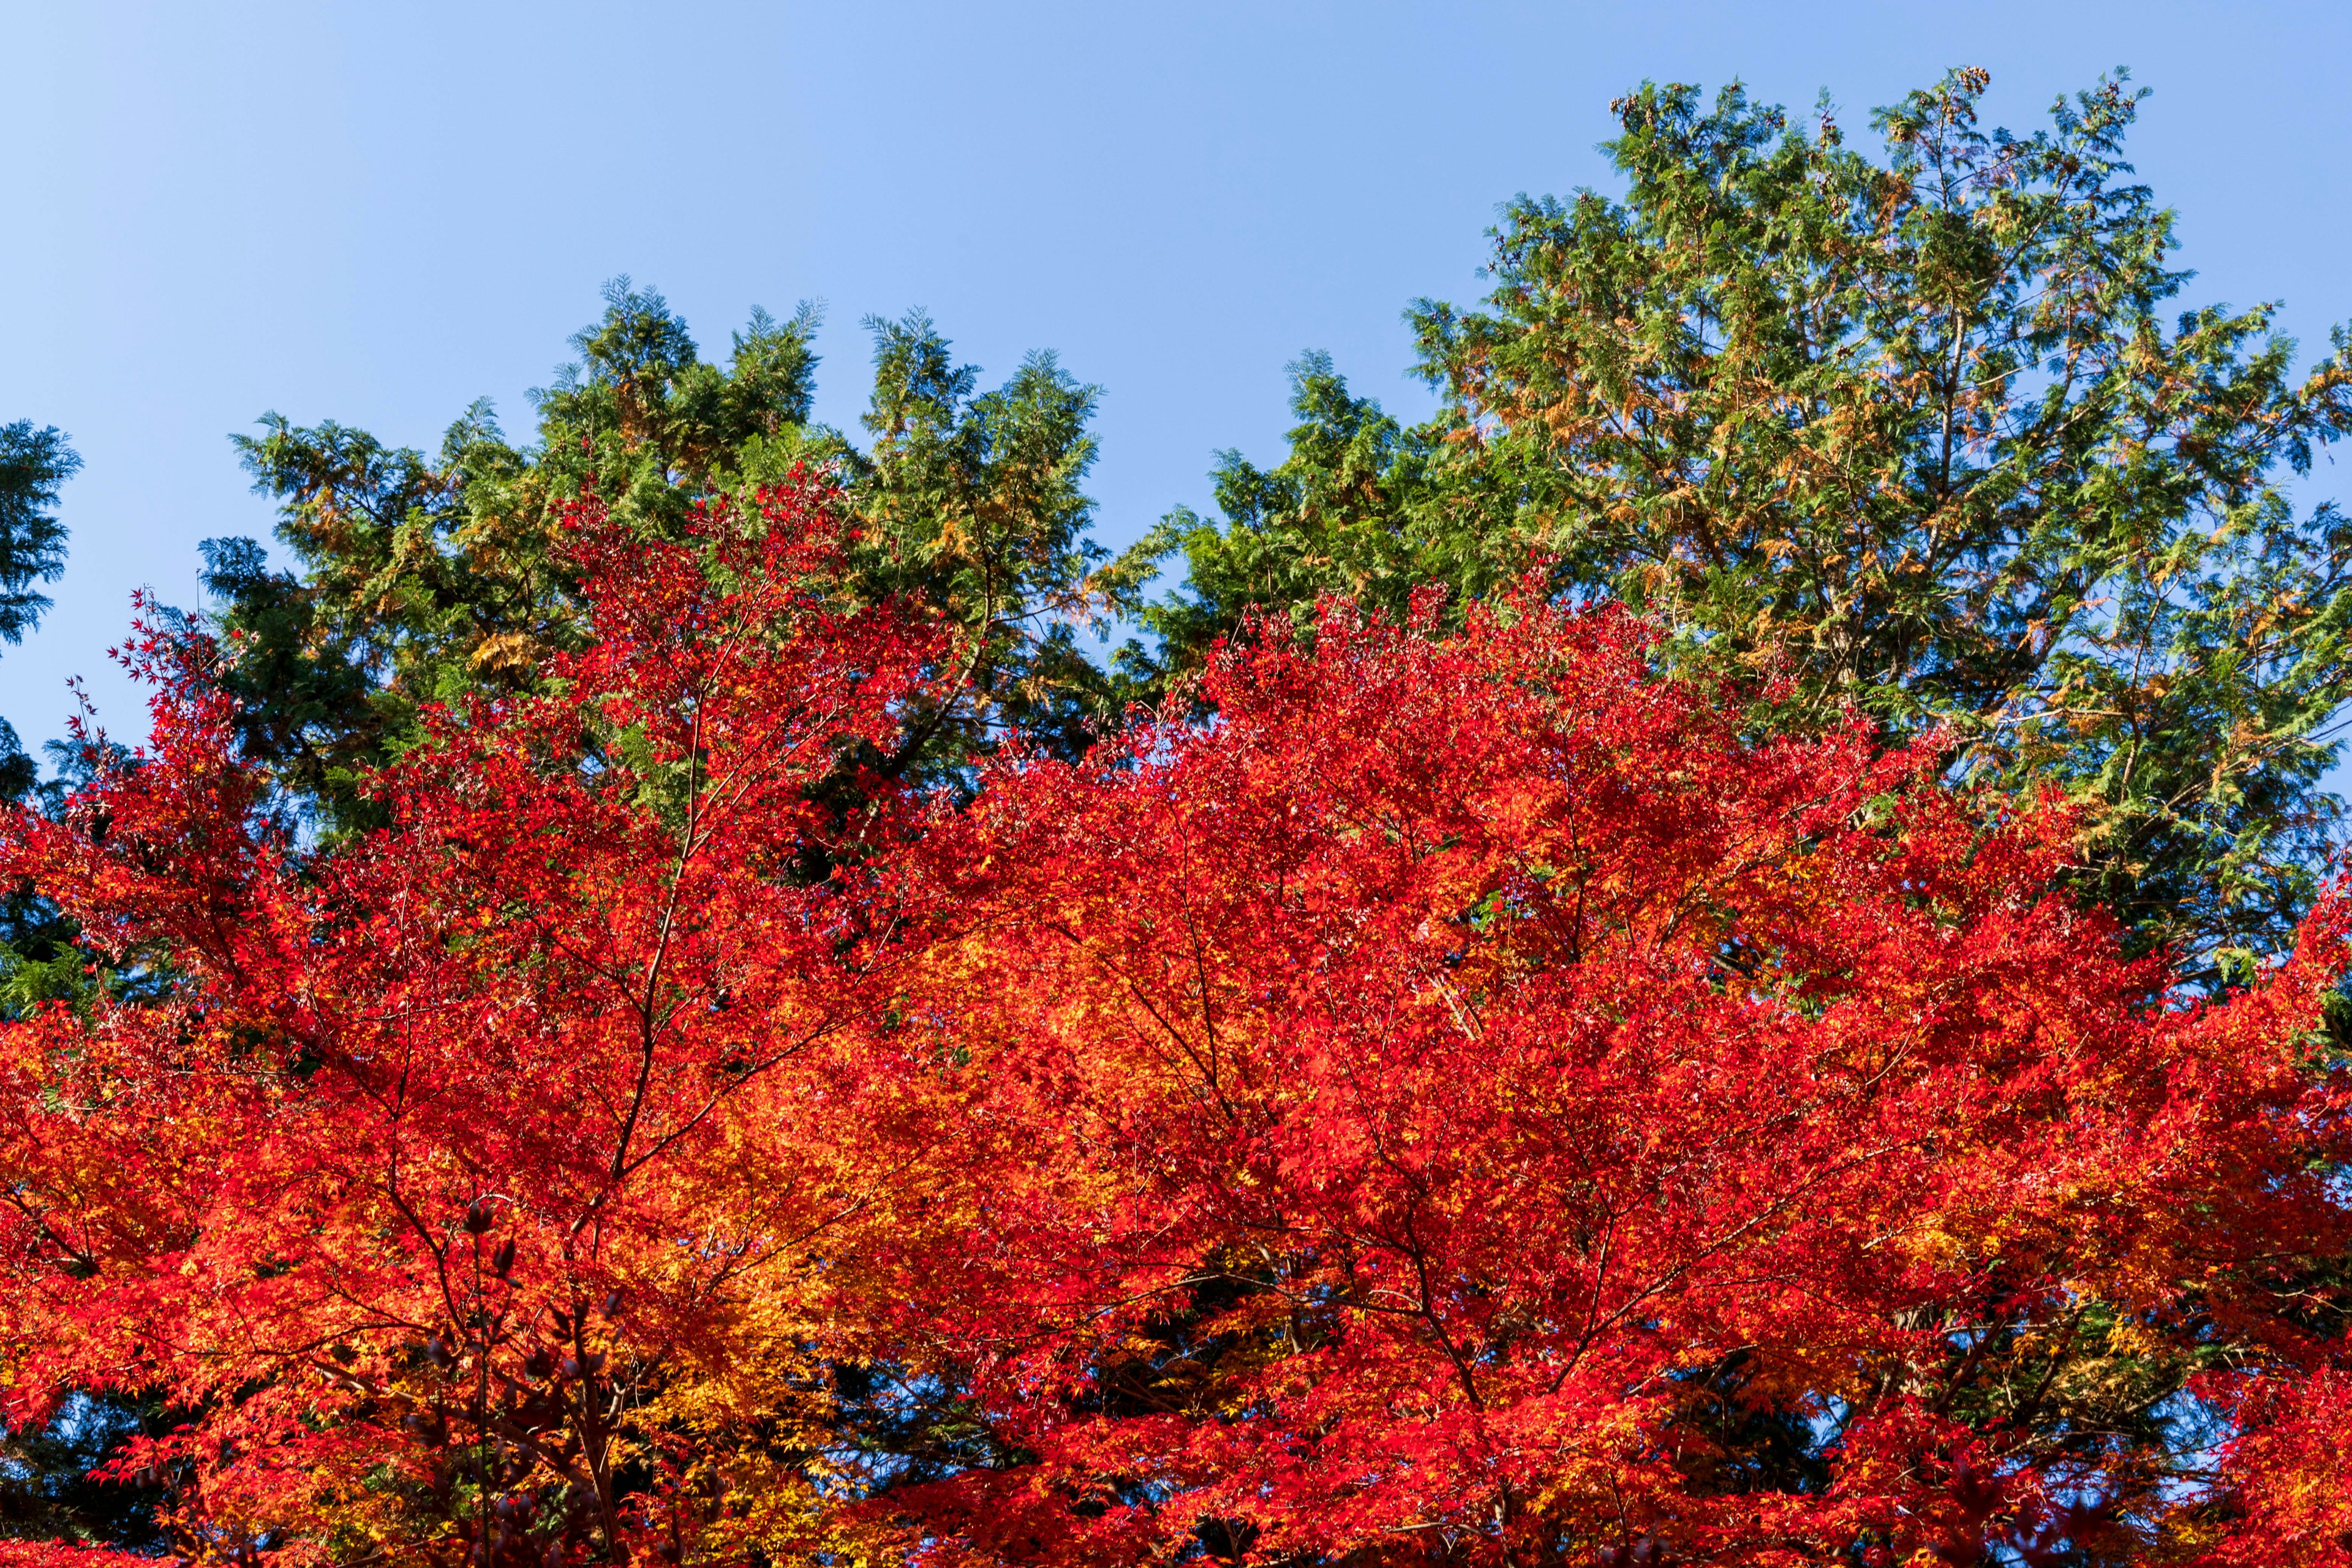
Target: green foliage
x,y
37,958
424,578
1911,435
1363,506
975,512
34,466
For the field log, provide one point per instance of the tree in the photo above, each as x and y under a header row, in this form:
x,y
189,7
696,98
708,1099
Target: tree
x,y
1915,432
426,579
43,1482
1475,1102
34,466
481,1177
1473,1099
35,944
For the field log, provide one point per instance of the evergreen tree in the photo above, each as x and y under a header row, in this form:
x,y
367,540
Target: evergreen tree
x,y
37,957
1915,433
425,577
34,464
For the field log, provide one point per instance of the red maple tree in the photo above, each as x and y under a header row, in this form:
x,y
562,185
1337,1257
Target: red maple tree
x,y
1469,1100
465,1166
1474,1102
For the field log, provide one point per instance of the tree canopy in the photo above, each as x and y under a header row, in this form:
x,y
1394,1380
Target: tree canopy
x,y
1913,434
34,464
422,579
1467,1102
1722,954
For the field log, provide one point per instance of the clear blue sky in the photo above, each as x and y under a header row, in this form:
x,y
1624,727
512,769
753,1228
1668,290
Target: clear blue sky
x,y
376,213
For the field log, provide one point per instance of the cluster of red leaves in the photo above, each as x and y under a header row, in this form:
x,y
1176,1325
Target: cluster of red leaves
x,y
65,1554
478,1125
1469,1101
1504,1071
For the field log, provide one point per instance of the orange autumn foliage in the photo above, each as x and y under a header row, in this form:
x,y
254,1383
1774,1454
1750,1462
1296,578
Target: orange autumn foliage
x,y
1468,1102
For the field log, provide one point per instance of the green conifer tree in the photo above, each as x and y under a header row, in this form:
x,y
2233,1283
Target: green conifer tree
x,y
421,578
1923,433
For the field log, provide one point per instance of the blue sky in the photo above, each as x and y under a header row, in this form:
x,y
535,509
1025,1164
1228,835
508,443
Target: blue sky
x,y
377,213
